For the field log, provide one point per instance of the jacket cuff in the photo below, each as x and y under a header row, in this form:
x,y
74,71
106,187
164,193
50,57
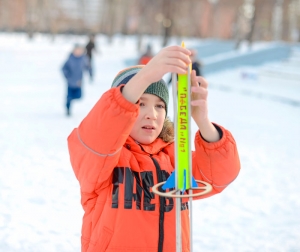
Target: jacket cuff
x,y
212,145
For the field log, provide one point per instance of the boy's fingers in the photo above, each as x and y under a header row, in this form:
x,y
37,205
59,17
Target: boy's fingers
x,y
176,62
194,80
176,55
176,69
198,80
178,48
203,82
199,90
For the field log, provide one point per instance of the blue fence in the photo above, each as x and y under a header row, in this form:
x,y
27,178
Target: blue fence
x,y
276,52
214,47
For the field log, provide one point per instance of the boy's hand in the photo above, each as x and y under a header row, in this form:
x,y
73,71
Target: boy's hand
x,y
172,59
199,98
199,108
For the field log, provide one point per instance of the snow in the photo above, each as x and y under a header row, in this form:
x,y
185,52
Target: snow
x,y
39,194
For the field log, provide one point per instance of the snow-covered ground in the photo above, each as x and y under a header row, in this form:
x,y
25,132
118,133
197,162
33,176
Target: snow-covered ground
x,y
39,195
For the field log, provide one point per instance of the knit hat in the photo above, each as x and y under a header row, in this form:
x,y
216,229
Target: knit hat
x,y
158,88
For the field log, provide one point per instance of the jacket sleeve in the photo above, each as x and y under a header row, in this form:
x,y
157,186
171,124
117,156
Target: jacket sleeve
x,y
95,146
66,70
216,163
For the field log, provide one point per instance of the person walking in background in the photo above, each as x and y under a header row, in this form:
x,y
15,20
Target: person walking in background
x,y
73,70
147,56
90,48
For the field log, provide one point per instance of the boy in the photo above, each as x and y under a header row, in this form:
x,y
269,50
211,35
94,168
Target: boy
x,y
73,70
125,145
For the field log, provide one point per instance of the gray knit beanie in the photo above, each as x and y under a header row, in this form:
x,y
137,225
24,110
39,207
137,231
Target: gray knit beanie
x,y
159,88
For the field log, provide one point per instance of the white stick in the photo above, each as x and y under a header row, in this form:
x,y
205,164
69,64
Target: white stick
x,y
178,200
190,161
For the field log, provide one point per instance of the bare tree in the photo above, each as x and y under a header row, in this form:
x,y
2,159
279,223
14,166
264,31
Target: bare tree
x,y
297,4
214,17
52,17
286,31
81,4
3,14
125,7
167,21
236,26
31,17
253,19
142,20
241,24
111,19
264,22
196,10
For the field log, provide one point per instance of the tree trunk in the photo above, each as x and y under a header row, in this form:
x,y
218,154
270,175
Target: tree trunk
x,y
125,8
239,32
82,11
167,22
30,18
252,24
111,20
285,21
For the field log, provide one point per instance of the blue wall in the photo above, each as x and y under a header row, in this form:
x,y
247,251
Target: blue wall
x,y
213,47
276,52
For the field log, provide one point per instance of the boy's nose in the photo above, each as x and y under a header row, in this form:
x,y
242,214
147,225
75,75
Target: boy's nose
x,y
151,113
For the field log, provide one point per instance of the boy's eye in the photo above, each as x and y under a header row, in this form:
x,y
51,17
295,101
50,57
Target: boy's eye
x,y
142,104
160,106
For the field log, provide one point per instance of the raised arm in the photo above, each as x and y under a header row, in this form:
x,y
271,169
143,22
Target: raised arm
x,y
200,109
170,59
95,145
66,69
216,159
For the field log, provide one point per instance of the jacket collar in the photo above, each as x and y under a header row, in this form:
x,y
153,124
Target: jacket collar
x,y
151,149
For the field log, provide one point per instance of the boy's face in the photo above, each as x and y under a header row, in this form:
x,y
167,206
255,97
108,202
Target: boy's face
x,y
78,51
150,120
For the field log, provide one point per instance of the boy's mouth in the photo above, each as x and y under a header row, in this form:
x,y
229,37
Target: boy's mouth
x,y
148,127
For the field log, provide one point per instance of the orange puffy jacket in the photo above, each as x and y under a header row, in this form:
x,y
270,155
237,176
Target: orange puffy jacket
x,y
116,175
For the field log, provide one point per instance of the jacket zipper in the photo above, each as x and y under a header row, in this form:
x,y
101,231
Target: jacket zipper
x,y
161,207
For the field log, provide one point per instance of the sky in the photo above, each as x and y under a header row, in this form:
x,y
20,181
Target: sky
x,y
40,197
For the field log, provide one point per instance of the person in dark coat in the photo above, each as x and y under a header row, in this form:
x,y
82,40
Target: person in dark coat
x,y
73,70
90,48
196,64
